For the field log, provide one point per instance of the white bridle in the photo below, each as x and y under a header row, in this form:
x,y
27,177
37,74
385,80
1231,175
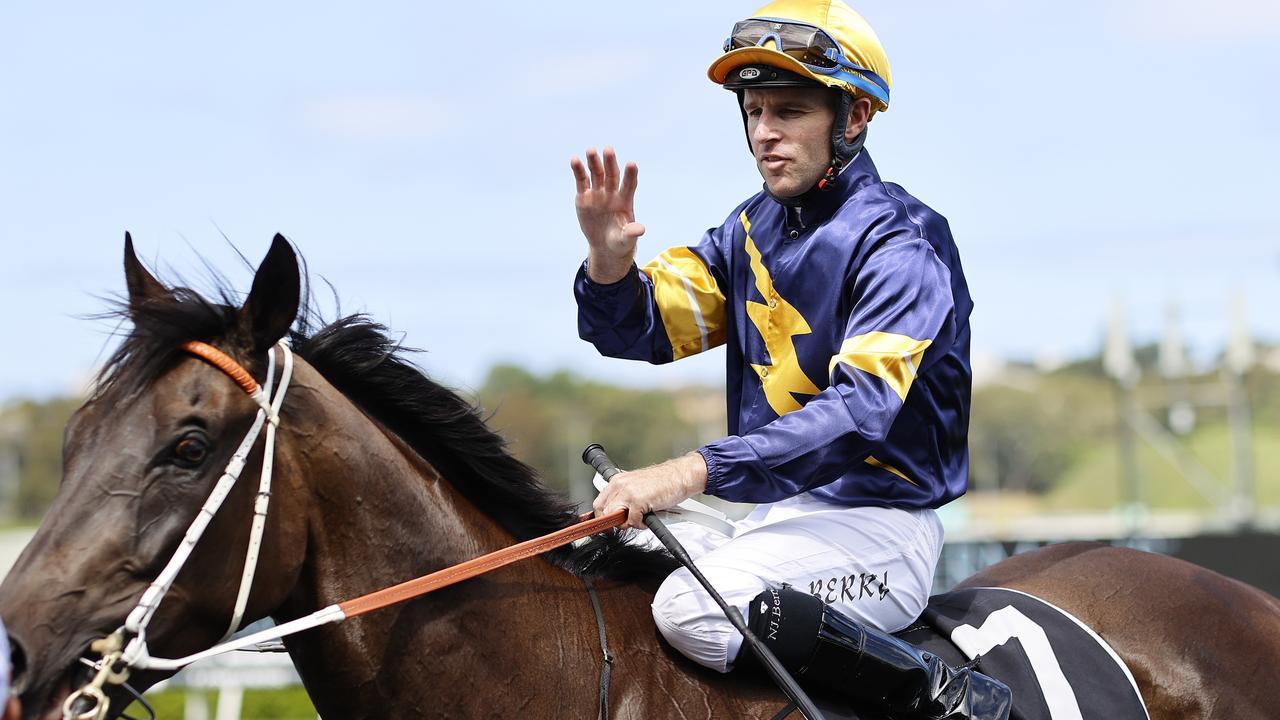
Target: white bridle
x,y
134,654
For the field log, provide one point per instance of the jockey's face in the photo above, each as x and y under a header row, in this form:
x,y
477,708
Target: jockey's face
x,y
790,132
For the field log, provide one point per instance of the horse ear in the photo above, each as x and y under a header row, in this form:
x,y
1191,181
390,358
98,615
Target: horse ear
x,y
142,285
273,301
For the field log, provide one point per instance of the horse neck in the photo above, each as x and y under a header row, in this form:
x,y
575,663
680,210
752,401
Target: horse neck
x,y
377,512
380,515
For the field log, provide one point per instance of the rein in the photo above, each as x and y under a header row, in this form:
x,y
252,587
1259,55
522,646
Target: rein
x,y
120,656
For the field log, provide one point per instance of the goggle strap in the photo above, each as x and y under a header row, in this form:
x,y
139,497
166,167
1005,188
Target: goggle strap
x,y
856,80
835,56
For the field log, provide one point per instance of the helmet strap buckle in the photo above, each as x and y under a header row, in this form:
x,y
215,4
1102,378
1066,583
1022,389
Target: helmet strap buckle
x,y
827,183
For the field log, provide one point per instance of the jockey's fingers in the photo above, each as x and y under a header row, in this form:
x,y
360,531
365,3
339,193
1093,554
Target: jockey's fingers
x,y
597,169
581,182
630,179
603,507
635,517
610,170
597,505
609,499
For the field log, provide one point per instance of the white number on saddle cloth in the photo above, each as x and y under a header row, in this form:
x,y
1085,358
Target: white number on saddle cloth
x,y
1006,624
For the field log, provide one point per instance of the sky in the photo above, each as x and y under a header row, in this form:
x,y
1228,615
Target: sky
x,y
1086,155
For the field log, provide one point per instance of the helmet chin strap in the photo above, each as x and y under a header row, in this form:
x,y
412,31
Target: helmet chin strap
x,y
842,153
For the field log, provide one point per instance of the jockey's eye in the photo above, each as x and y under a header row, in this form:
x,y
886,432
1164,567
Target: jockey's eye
x,y
191,450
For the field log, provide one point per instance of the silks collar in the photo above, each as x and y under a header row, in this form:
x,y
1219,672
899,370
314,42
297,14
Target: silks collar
x,y
814,206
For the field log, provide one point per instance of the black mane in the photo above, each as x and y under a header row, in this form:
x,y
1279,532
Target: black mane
x,y
357,355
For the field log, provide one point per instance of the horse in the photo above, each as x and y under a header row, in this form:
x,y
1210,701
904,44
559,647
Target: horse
x,y
384,475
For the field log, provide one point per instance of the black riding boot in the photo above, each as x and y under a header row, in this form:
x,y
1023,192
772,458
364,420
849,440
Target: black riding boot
x,y
872,668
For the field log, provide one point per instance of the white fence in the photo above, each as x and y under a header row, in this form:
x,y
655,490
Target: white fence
x,y
230,675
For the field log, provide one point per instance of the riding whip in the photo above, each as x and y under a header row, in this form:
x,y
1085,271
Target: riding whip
x,y
595,456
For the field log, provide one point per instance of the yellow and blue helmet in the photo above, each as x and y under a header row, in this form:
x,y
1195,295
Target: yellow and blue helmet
x,y
823,41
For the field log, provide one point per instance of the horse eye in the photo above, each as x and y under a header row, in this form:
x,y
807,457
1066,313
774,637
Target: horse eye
x,y
191,451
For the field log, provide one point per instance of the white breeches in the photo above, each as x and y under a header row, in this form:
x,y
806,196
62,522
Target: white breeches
x,y
873,564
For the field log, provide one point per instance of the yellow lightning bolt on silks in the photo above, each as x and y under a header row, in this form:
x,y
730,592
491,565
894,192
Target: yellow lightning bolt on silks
x,y
778,322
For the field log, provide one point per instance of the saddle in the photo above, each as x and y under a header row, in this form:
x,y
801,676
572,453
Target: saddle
x,y
1056,666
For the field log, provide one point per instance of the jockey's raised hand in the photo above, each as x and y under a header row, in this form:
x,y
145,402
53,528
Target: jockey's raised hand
x,y
606,214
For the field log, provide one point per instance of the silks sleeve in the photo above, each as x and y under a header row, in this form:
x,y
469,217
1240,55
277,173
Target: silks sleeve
x,y
671,308
902,320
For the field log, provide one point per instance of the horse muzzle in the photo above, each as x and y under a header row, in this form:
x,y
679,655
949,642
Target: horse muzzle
x,y
43,683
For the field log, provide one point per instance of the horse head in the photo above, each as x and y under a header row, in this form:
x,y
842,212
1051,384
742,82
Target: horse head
x,y
140,457
380,475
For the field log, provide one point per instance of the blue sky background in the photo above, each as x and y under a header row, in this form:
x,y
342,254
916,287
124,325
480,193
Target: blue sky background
x,y
417,154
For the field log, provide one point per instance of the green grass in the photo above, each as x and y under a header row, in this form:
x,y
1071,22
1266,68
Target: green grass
x,y
284,704
1093,481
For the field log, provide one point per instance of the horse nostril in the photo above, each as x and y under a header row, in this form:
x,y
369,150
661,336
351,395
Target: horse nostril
x,y
18,666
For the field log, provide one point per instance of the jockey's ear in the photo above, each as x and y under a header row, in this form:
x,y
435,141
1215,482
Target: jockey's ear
x,y
273,302
142,285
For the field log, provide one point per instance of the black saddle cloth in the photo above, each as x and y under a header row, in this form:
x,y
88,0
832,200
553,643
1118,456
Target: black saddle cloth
x,y
1057,667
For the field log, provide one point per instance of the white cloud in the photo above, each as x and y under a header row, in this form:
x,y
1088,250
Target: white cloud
x,y
1195,21
379,117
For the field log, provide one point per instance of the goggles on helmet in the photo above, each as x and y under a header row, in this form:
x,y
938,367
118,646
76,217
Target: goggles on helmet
x,y
810,45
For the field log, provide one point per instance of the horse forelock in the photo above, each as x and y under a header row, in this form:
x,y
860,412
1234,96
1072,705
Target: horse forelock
x,y
154,343
371,369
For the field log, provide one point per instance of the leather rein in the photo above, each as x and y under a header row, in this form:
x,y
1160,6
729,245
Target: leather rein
x,y
126,649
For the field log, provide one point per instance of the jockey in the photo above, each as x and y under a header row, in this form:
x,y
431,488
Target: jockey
x,y
845,313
